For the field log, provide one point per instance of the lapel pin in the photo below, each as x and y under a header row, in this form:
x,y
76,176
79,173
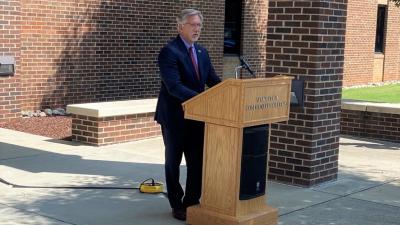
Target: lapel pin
x,y
199,51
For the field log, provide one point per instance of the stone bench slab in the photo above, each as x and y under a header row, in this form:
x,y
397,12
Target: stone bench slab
x,y
371,106
116,108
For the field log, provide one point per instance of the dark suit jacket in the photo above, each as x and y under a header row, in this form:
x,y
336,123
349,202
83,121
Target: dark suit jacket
x,y
179,82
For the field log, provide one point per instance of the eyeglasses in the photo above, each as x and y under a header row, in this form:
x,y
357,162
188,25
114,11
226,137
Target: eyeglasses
x,y
195,25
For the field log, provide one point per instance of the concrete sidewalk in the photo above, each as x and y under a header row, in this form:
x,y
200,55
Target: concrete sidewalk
x,y
366,193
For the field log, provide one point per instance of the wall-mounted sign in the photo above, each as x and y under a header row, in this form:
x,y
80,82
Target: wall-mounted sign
x,y
297,93
7,65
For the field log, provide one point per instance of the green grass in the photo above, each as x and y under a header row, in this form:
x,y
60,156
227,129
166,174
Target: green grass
x,y
386,93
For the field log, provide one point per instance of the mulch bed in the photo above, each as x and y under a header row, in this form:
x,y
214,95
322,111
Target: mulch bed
x,y
57,127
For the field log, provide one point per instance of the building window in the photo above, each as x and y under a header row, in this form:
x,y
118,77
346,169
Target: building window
x,y
380,29
232,28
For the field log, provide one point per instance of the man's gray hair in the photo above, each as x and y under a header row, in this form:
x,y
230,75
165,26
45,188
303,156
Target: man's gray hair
x,y
184,14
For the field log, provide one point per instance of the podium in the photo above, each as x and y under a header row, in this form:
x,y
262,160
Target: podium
x,y
237,114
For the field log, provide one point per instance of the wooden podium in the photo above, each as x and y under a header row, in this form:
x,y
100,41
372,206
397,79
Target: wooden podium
x,y
227,109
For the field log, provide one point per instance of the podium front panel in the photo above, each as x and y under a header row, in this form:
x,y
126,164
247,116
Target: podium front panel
x,y
242,103
266,101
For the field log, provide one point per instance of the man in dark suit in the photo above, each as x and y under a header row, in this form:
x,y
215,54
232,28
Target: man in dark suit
x,y
185,69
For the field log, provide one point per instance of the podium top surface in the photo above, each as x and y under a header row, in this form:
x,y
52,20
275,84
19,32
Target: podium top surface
x,y
242,103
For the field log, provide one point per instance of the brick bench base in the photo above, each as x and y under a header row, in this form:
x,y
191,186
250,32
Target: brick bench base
x,y
95,124
371,120
115,129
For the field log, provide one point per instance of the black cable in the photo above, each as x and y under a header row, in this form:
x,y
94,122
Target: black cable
x,y
63,187
73,187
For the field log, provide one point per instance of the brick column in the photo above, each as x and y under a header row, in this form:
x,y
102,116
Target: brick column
x,y
254,40
306,40
10,90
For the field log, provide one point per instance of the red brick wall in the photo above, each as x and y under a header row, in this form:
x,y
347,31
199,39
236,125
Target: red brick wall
x,y
10,91
392,44
306,40
98,50
114,129
254,39
360,42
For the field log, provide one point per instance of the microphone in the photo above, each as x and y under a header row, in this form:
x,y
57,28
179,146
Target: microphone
x,y
245,65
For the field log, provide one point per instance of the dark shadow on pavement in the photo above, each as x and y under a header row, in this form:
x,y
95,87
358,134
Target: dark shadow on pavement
x,y
377,144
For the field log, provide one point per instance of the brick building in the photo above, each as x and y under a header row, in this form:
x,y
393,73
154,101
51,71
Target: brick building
x,y
105,50
102,50
96,50
372,52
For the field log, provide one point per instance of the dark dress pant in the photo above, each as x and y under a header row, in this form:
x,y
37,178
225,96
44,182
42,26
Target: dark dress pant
x,y
188,142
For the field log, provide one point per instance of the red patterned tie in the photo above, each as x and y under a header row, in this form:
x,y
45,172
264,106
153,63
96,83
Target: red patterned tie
x,y
196,68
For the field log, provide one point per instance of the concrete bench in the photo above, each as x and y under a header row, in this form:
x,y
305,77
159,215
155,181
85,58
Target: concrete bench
x,y
372,120
106,123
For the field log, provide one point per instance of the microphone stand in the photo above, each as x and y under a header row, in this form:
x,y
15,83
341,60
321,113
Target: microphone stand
x,y
237,73
237,69
243,64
